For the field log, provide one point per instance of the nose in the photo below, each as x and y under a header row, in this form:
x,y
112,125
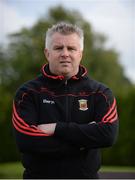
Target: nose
x,y
64,52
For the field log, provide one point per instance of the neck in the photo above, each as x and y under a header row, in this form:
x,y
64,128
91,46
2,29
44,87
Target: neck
x,y
66,74
69,75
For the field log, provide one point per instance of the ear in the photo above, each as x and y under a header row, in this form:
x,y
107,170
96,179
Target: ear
x,y
81,54
46,53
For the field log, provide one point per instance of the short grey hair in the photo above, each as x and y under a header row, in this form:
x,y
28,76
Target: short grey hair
x,y
65,29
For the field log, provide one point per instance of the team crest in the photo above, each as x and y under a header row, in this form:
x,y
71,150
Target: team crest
x,y
83,106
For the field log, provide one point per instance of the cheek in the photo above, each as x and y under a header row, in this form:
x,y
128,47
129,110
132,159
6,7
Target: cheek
x,y
78,58
55,56
52,58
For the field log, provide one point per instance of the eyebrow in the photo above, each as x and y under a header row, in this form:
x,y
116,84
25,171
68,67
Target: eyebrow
x,y
61,46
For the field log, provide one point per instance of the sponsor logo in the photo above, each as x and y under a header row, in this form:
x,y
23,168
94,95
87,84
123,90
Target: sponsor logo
x,y
83,106
45,101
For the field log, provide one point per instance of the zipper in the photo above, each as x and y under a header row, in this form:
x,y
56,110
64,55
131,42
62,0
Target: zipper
x,y
66,91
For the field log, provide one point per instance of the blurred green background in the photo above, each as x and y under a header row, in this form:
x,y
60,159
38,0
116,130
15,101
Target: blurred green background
x,y
22,59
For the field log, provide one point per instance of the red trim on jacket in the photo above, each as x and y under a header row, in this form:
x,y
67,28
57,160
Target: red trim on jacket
x,y
21,126
111,115
51,76
62,77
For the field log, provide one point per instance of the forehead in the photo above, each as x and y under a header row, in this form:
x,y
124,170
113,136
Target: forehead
x,y
61,39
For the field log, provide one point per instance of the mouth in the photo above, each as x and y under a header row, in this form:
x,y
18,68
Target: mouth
x,y
65,62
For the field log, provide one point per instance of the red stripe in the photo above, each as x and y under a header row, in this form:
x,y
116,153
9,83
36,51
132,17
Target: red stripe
x,y
20,123
111,115
113,105
25,132
26,128
114,119
20,119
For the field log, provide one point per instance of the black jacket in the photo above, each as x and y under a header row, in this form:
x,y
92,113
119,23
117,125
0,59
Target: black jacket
x,y
86,117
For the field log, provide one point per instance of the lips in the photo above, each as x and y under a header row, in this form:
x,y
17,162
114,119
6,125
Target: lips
x,y
65,62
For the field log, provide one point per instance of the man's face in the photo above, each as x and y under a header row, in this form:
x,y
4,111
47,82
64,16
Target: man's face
x,y
64,54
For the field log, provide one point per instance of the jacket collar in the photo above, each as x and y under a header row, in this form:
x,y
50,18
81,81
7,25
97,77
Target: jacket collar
x,y
47,74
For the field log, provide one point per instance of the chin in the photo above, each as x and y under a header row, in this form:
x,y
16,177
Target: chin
x,y
66,70
65,73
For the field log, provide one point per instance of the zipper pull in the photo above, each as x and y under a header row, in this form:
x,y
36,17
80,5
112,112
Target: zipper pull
x,y
66,82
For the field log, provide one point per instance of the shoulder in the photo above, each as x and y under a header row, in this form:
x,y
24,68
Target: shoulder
x,y
30,86
99,89
95,85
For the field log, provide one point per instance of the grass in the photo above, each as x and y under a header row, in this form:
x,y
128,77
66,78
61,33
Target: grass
x,y
15,170
117,169
11,170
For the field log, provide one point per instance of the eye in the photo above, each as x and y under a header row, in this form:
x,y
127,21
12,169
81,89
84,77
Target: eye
x,y
58,48
71,49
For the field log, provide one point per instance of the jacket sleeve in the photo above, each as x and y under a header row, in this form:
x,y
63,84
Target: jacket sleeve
x,y
102,132
28,137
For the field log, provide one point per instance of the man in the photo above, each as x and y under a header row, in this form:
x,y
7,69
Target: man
x,y
62,117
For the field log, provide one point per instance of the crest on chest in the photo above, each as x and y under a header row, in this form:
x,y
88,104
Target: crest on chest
x,y
83,104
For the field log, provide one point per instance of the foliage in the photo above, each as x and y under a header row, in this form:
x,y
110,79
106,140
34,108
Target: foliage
x,y
23,58
123,150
